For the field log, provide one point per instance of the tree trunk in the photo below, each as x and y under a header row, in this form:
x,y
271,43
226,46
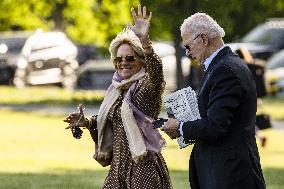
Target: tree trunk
x,y
179,6
192,6
179,54
57,15
194,74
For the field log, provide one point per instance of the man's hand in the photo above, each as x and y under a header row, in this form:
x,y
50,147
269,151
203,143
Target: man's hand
x,y
171,128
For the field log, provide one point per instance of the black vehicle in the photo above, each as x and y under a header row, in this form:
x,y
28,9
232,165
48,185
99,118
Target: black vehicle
x,y
86,52
264,40
47,58
95,74
11,44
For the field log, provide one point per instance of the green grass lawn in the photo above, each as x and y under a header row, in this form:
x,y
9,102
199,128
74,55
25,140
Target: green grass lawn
x,y
275,107
57,96
37,152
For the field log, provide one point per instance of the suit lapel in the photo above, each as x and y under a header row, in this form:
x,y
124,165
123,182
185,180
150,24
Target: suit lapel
x,y
215,60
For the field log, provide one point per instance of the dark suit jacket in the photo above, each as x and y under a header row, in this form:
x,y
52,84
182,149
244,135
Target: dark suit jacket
x,y
225,154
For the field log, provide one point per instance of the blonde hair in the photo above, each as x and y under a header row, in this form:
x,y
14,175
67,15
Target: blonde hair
x,y
201,23
127,36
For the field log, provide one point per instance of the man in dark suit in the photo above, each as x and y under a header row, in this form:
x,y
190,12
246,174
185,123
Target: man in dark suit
x,y
225,154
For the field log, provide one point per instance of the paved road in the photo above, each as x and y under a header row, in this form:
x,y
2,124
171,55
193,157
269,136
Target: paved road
x,y
89,110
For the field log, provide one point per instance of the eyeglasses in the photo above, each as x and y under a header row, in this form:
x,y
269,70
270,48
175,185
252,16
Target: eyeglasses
x,y
128,58
187,47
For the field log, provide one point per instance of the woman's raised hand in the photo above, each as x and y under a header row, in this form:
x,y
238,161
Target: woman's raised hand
x,y
141,21
77,119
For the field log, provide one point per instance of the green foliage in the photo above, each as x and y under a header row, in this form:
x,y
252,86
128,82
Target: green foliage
x,y
236,17
23,15
167,15
97,21
82,26
112,16
88,21
242,16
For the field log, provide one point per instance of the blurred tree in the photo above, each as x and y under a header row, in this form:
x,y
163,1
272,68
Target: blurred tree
x,y
236,17
57,14
23,15
88,21
98,21
168,15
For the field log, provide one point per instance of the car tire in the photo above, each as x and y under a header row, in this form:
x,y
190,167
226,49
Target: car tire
x,y
20,80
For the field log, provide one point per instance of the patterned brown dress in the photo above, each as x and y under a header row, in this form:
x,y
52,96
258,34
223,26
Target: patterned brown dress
x,y
152,173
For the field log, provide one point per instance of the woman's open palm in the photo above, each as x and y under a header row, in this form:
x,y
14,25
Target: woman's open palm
x,y
141,21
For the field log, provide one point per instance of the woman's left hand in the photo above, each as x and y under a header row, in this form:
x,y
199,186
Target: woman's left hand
x,y
77,119
141,22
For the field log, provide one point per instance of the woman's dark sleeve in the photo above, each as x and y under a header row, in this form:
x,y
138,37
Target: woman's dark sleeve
x,y
155,69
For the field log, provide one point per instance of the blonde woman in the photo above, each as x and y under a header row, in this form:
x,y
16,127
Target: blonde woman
x,y
122,130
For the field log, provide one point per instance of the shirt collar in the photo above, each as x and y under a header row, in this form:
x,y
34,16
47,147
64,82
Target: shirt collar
x,y
210,58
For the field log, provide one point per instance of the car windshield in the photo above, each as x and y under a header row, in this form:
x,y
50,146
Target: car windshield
x,y
14,44
276,61
264,35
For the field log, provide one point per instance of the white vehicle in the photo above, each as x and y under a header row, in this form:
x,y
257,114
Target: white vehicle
x,y
167,53
47,58
275,73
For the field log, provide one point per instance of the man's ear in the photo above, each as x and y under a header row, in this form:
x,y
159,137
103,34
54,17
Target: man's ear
x,y
205,39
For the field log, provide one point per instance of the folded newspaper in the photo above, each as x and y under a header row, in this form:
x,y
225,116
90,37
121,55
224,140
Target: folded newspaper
x,y
182,104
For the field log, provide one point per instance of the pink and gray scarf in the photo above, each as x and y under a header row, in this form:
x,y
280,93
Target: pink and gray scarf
x,y
141,136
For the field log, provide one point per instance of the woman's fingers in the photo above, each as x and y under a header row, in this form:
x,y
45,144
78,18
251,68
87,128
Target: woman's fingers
x,y
139,11
144,12
133,14
150,16
81,110
72,117
70,125
68,118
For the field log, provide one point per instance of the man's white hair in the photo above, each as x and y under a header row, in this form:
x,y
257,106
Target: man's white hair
x,y
201,23
127,36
